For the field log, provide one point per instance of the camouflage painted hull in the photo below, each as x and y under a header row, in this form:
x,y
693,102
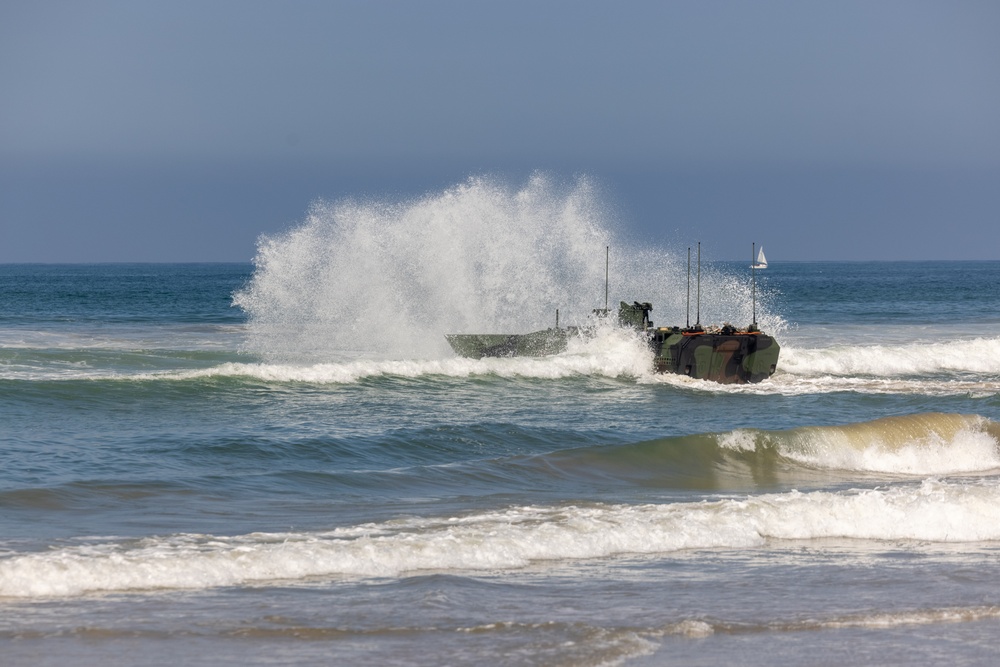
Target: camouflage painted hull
x,y
727,355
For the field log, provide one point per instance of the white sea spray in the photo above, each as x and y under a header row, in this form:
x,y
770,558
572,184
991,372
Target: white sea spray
x,y
391,278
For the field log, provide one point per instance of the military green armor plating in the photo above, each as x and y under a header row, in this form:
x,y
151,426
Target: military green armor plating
x,y
725,354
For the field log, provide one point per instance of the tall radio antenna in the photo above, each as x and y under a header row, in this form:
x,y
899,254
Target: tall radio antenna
x,y
753,279
688,319
698,310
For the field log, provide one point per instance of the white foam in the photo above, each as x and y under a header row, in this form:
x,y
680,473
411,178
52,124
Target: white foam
x,y
965,451
607,351
786,384
606,356
740,440
916,617
696,628
932,511
976,355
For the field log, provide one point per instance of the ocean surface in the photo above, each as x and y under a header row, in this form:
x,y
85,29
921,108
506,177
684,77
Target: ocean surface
x,y
282,462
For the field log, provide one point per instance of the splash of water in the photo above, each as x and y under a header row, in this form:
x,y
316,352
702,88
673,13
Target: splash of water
x,y
389,279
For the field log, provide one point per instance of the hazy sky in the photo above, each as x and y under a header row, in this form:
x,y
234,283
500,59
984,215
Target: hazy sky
x,y
181,131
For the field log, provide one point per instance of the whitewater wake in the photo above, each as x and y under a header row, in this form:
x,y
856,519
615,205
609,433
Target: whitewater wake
x,y
613,353
969,367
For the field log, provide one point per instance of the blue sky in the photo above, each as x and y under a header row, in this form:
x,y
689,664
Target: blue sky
x,y
181,131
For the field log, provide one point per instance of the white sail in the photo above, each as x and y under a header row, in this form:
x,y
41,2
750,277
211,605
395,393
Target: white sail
x,y
761,262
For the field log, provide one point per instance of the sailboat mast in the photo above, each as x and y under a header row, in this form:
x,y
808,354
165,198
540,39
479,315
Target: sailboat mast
x,y
753,279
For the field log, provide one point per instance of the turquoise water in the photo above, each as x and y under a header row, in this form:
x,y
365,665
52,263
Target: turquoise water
x,y
234,464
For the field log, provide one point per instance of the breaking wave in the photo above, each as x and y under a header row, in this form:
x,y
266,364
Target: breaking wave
x,y
952,502
513,538
923,444
920,444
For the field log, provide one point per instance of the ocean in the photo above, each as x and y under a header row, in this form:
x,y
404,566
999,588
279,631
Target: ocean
x,y
282,462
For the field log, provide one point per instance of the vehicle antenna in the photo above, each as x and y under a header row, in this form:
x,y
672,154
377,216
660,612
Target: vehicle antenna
x,y
687,324
753,280
698,310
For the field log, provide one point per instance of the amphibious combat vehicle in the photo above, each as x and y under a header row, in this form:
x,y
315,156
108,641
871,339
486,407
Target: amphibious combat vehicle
x,y
723,354
720,354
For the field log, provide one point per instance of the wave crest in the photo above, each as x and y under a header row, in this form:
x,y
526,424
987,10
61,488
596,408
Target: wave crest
x,y
513,538
920,444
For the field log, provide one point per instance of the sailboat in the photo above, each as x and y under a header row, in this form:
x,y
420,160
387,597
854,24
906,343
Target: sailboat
x,y
761,262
